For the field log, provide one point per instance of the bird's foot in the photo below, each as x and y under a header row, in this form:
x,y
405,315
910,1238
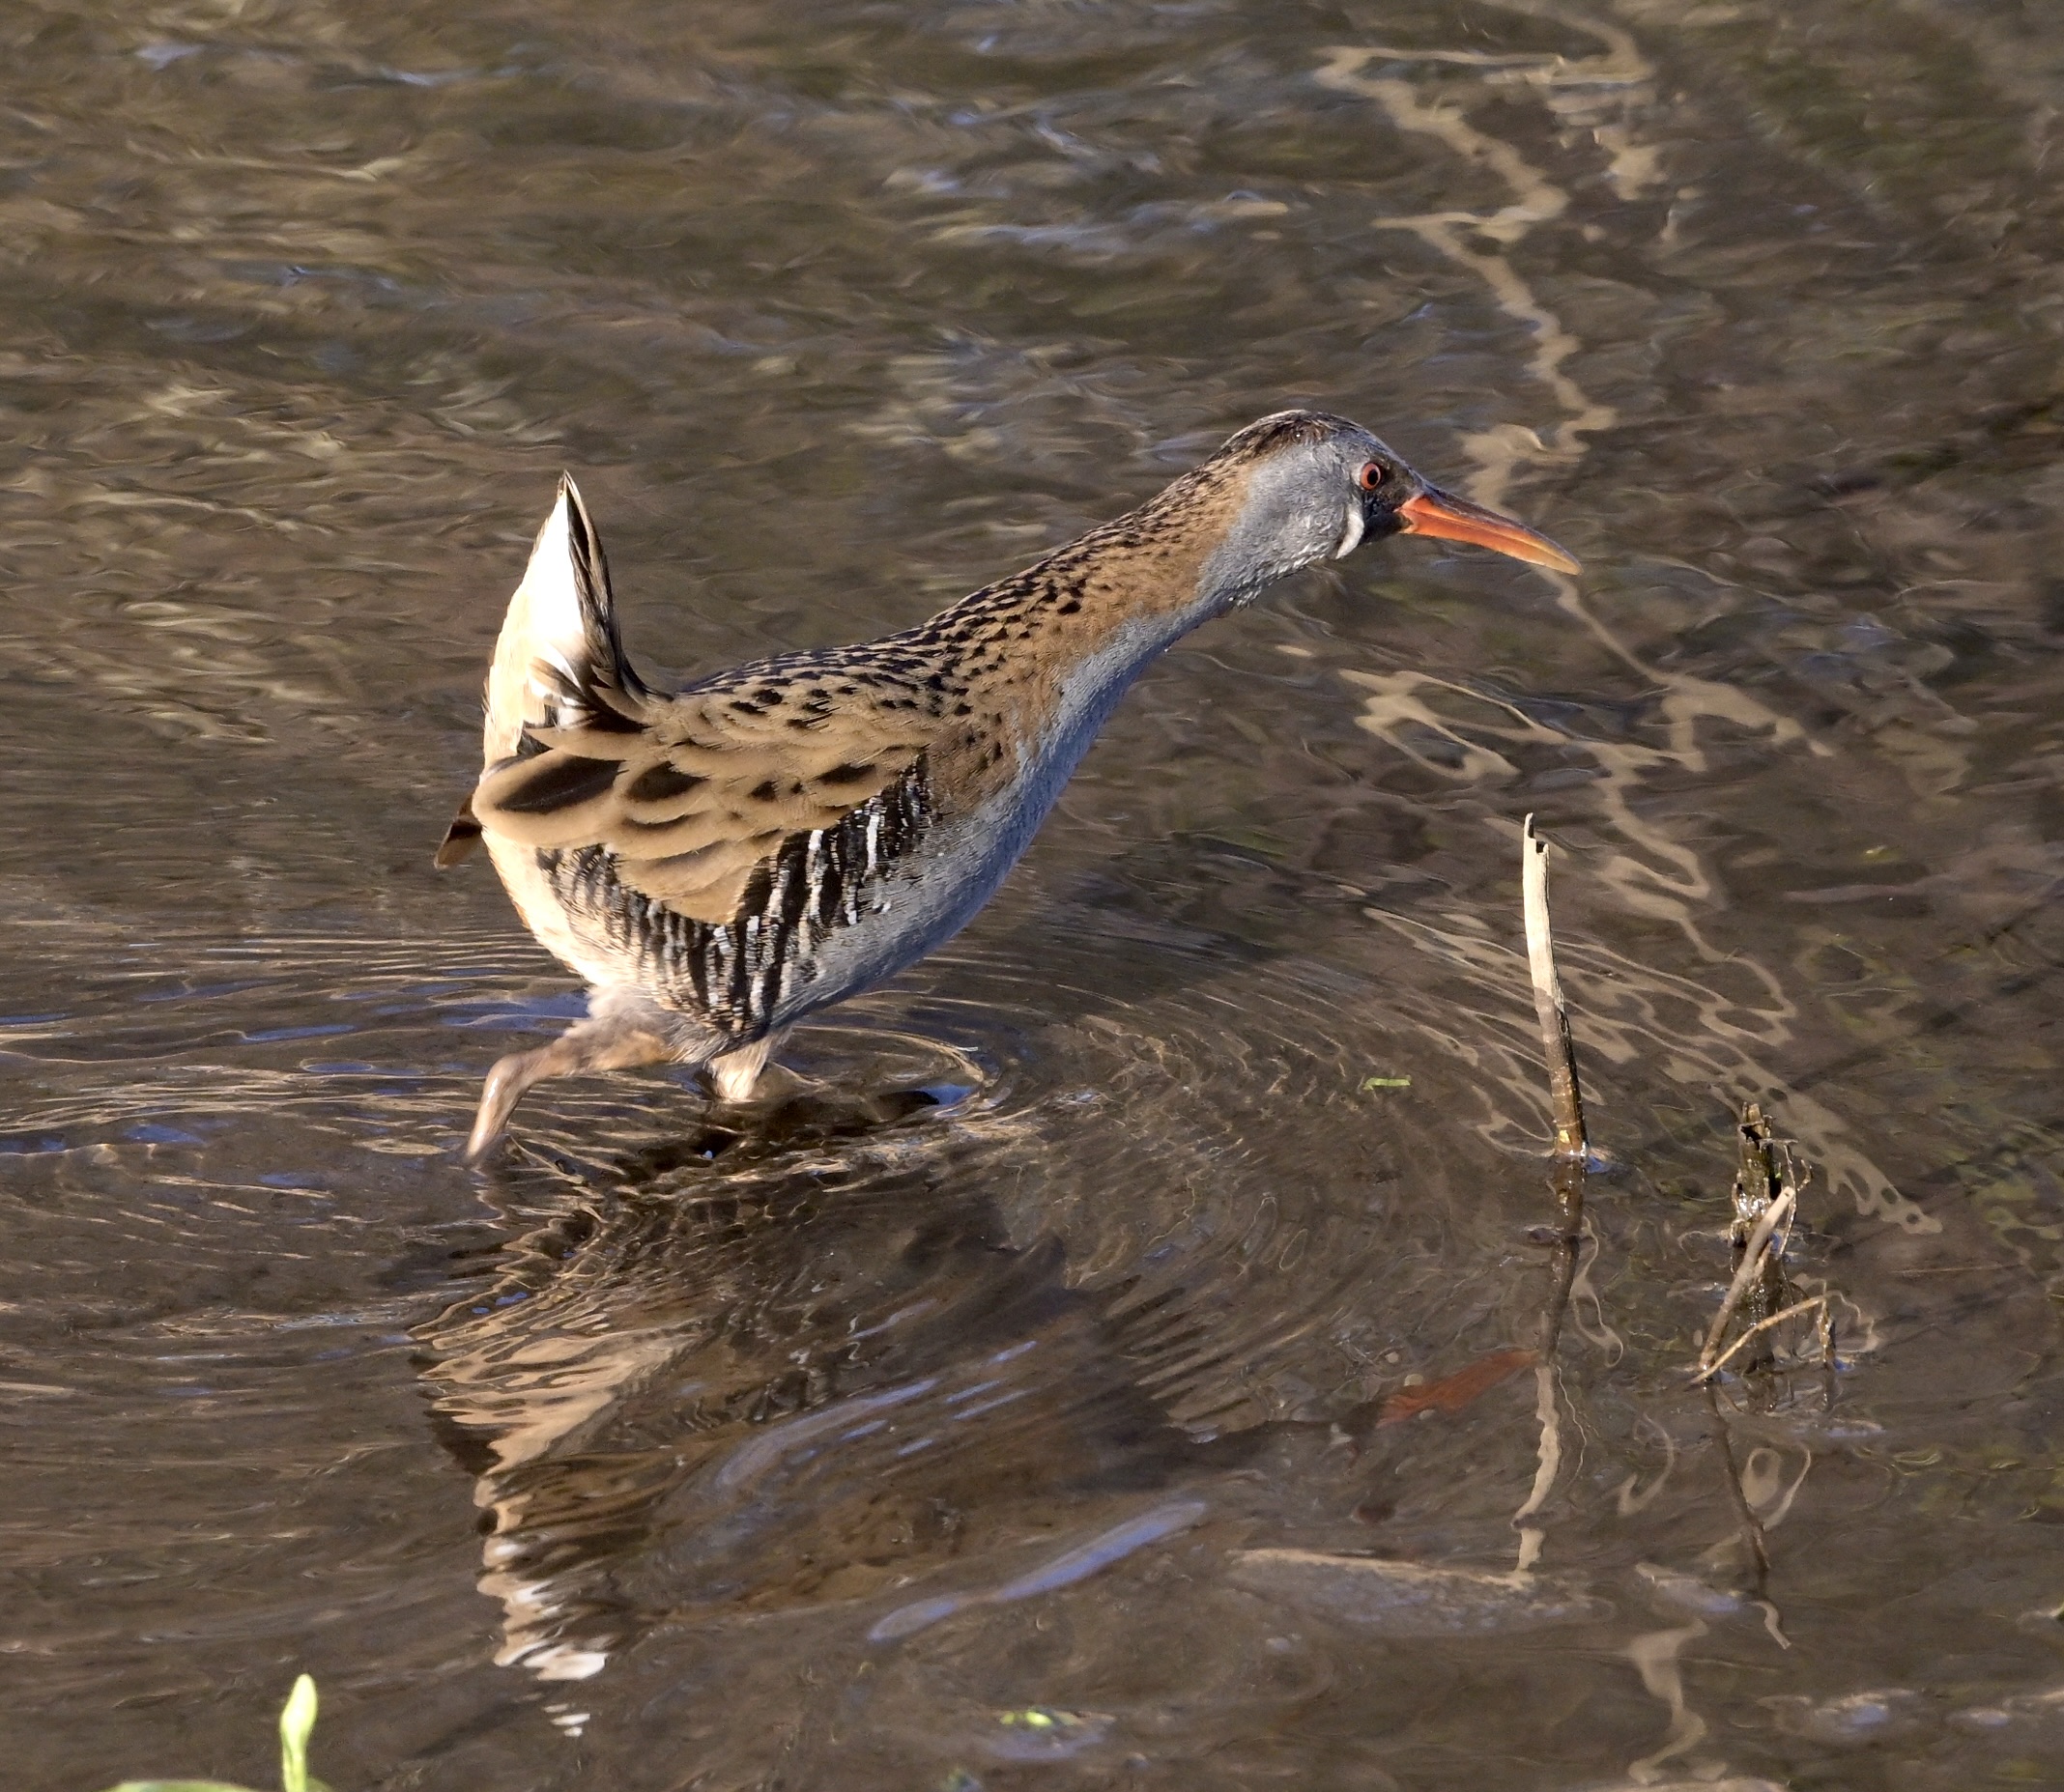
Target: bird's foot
x,y
745,1074
606,1041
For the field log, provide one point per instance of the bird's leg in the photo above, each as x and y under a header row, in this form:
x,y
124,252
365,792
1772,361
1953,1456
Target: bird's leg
x,y
606,1041
734,1075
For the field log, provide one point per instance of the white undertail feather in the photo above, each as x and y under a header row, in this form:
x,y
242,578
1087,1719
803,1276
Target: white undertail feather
x,y
545,624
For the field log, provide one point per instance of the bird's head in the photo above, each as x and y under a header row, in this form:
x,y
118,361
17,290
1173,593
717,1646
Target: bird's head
x,y
1311,487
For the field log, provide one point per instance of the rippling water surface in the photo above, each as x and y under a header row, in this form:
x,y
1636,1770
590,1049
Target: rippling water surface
x,y
1012,1404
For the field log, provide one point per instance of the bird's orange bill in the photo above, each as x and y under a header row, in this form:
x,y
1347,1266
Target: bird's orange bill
x,y
1456,518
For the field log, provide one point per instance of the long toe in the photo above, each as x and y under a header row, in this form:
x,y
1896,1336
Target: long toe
x,y
499,1095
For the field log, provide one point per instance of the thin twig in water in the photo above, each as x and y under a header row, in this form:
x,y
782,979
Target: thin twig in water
x,y
1752,1258
1706,1371
1765,1171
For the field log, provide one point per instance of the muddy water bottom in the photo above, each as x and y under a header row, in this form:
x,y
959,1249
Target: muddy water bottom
x,y
1111,1359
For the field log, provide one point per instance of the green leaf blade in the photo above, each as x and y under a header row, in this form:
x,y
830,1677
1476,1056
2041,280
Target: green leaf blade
x,y
297,1720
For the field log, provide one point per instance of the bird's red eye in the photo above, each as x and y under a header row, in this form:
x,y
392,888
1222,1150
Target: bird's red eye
x,y
1371,476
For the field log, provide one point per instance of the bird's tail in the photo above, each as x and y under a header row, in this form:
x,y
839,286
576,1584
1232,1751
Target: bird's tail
x,y
559,662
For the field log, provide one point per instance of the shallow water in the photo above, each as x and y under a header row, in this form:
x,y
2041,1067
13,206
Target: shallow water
x,y
1007,1407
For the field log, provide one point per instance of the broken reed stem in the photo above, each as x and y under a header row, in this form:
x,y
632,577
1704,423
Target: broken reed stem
x,y
1565,1096
1571,1154
1752,1260
1563,1087
1706,1371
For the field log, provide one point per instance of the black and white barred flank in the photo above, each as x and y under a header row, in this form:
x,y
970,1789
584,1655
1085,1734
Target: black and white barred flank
x,y
733,974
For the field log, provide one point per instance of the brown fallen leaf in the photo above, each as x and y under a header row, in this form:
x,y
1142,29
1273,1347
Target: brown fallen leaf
x,y
1452,1392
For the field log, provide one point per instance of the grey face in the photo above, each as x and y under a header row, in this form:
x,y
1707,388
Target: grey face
x,y
1310,501
1315,500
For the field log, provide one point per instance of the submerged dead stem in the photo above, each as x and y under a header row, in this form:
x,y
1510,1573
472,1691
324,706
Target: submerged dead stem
x,y
1754,1543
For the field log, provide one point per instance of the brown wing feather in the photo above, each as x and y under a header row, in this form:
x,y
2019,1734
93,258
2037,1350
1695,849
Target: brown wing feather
x,y
706,789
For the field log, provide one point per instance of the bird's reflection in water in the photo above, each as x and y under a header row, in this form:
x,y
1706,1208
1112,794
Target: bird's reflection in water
x,y
782,1368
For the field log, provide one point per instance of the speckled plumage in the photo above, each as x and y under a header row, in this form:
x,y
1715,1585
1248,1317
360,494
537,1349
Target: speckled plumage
x,y
723,860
